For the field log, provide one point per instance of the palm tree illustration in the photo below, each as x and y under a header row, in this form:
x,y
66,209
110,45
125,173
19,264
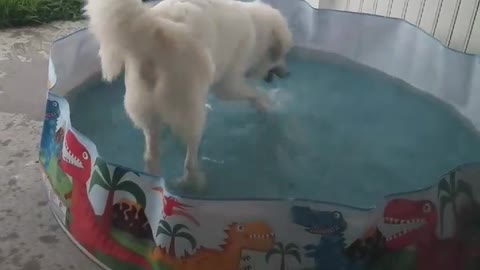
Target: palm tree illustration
x,y
284,251
175,232
448,192
101,177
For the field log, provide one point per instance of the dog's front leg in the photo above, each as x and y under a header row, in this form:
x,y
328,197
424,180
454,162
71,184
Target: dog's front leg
x,y
260,102
191,133
152,155
238,89
193,177
191,168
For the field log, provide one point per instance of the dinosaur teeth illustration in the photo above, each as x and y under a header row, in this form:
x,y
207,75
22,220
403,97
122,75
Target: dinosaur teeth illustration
x,y
69,157
393,228
261,236
394,236
50,115
323,230
390,220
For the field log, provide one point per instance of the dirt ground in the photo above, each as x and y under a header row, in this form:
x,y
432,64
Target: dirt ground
x,y
30,238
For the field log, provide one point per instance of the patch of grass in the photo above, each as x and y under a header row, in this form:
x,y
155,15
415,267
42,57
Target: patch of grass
x,y
15,13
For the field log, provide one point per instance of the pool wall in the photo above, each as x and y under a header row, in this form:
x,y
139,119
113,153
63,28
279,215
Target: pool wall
x,y
455,23
125,219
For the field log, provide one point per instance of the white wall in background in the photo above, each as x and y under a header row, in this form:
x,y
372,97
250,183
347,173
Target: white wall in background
x,y
456,23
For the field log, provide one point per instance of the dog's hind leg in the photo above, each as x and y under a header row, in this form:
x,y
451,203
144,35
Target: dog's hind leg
x,y
152,154
191,134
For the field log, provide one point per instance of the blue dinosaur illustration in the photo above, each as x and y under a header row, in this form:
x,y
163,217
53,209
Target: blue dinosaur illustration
x,y
329,253
47,143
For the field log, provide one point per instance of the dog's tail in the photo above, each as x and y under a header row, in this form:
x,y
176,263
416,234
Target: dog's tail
x,y
126,27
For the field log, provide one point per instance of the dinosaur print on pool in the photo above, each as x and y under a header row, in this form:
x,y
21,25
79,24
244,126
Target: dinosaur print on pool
x,y
48,148
76,162
414,224
329,254
172,207
129,216
254,236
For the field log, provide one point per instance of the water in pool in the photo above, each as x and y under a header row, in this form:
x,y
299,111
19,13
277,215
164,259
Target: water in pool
x,y
337,133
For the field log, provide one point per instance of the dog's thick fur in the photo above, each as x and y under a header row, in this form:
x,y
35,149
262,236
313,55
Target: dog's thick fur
x,y
177,51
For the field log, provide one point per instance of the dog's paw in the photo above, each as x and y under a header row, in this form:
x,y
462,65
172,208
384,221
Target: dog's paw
x,y
262,103
151,167
192,181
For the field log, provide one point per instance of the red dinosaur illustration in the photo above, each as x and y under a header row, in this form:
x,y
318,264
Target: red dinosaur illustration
x,y
171,204
76,162
414,223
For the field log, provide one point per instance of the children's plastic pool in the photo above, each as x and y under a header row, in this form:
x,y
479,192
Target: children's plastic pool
x,y
338,133
287,190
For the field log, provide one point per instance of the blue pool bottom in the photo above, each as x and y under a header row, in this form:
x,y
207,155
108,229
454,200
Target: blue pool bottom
x,y
337,133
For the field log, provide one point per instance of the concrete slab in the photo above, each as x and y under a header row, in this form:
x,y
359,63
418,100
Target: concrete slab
x,y
23,66
30,237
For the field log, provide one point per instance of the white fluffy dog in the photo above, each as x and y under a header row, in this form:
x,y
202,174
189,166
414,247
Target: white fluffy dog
x,y
179,50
